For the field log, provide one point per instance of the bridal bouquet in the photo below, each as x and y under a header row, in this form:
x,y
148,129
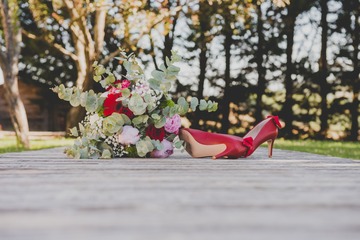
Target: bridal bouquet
x,y
134,116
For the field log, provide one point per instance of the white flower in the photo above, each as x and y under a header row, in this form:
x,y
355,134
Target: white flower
x,y
94,118
129,135
142,88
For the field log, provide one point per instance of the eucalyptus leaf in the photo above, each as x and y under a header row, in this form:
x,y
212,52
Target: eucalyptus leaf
x,y
75,98
178,144
203,105
97,78
106,154
183,106
91,103
137,104
74,132
194,103
140,119
144,147
160,122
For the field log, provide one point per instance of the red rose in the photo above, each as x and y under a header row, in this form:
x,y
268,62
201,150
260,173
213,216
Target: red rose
x,y
126,111
155,133
111,106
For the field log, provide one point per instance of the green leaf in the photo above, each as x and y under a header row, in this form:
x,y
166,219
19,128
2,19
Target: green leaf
x,y
75,98
203,105
140,119
137,104
97,78
183,106
110,79
113,123
83,98
74,132
154,83
64,93
178,144
194,103
158,145
106,154
160,122
144,146
99,70
125,93
175,57
159,75
155,116
91,103
214,107
81,128
166,111
173,70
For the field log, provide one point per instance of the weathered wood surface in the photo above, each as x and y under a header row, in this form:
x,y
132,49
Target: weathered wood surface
x,y
294,195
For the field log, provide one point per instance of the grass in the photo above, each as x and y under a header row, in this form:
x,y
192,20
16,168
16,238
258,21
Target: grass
x,y
8,144
328,148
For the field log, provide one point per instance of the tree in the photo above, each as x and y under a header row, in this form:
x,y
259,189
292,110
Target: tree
x,y
9,60
86,41
346,66
200,23
261,84
354,107
324,86
293,10
83,25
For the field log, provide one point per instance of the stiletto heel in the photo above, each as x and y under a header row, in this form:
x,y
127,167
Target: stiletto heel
x,y
205,144
270,147
266,130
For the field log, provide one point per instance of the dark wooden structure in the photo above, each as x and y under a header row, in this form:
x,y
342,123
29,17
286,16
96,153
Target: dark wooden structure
x,y
44,110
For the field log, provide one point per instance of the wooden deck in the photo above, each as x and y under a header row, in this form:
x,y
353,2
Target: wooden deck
x,y
44,195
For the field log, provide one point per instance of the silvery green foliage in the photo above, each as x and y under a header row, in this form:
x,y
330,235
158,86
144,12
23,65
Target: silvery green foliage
x,y
149,100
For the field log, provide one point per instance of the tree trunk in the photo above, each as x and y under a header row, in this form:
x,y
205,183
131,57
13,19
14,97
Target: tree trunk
x,y
83,81
354,107
87,50
260,90
16,110
202,75
225,123
286,113
202,44
324,88
9,60
170,31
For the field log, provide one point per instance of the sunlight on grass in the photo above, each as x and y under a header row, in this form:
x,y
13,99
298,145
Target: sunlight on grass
x,y
8,144
328,148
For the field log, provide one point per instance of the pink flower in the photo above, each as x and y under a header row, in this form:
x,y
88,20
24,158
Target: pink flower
x,y
173,124
125,83
165,152
129,135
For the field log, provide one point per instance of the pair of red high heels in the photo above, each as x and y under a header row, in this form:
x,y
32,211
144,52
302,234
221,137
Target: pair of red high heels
x,y
205,144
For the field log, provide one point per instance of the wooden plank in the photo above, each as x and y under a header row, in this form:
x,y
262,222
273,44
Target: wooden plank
x,y
44,195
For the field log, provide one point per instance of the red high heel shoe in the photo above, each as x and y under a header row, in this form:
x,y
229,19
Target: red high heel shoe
x,y
266,130
206,144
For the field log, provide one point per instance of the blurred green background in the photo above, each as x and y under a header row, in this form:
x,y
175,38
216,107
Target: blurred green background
x,y
297,59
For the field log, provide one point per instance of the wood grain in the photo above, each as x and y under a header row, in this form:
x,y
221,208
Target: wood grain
x,y
44,195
